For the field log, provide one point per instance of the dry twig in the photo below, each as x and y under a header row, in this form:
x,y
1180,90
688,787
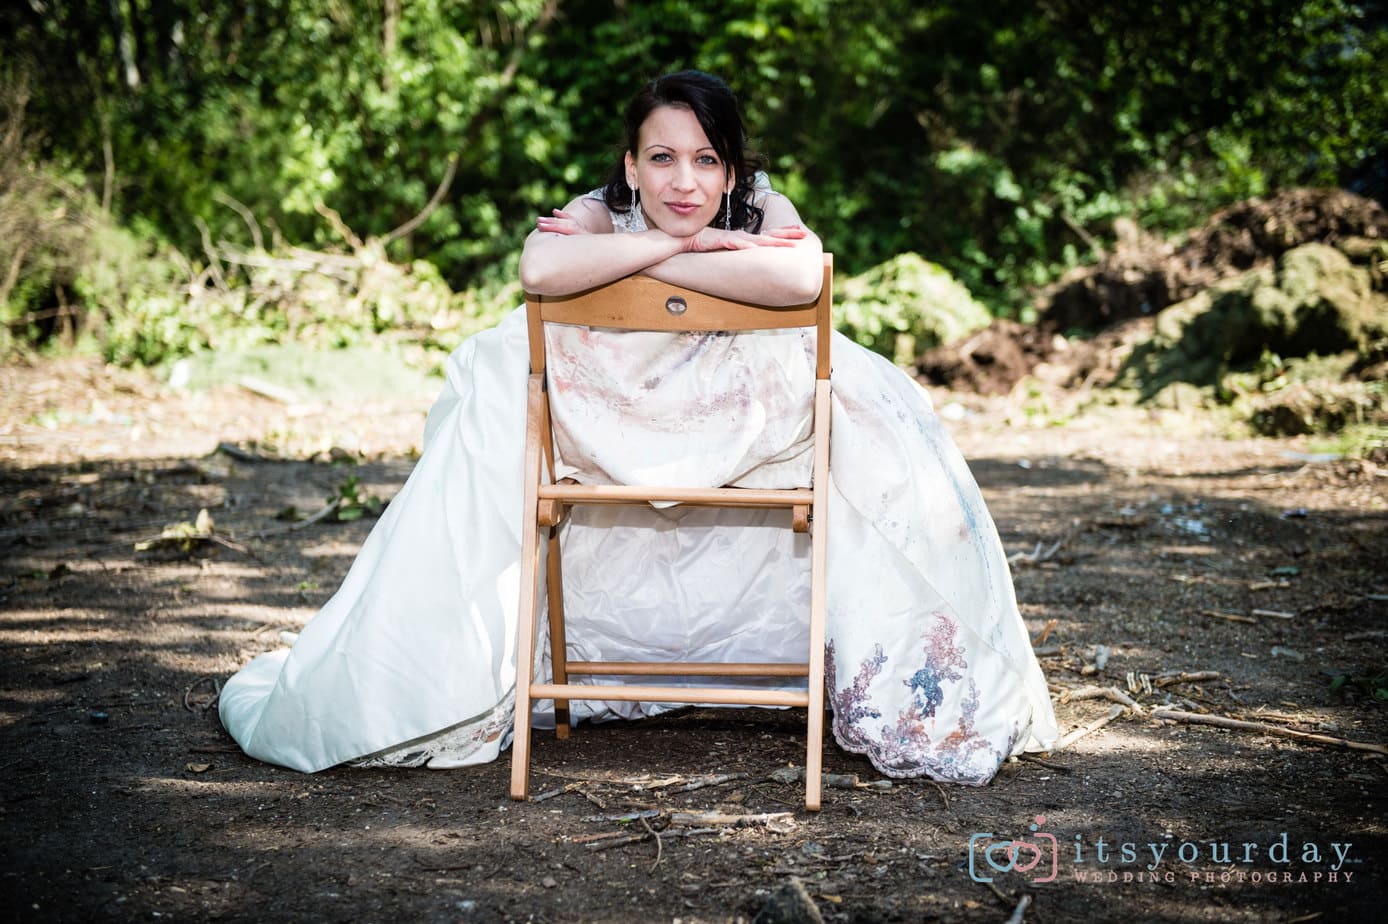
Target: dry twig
x,y
1031,758
1112,694
1220,721
1229,617
1166,680
659,846
774,821
1045,633
1020,910
216,693
1092,727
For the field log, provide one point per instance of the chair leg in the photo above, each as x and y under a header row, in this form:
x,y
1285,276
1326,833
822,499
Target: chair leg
x,y
814,733
819,564
558,645
525,670
527,613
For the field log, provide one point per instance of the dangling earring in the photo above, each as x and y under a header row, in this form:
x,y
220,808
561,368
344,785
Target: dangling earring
x,y
727,212
635,198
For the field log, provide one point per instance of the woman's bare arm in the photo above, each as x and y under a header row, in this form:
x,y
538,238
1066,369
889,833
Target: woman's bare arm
x,y
789,275
576,249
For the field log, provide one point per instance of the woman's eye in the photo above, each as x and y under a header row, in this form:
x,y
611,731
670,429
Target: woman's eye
x,y
660,158
708,160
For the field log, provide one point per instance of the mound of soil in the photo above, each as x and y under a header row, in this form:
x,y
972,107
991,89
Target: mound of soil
x,y
1144,274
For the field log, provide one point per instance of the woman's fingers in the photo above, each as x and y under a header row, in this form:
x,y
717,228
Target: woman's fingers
x,y
561,222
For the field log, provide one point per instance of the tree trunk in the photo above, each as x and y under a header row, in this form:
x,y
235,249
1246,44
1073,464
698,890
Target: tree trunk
x,y
125,43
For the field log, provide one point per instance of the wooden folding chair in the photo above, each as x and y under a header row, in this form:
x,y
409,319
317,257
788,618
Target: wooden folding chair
x,y
641,303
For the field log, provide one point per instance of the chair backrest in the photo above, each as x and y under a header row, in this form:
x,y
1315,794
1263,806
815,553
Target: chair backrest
x,y
641,303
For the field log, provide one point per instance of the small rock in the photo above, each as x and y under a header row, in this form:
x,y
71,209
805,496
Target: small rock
x,y
549,882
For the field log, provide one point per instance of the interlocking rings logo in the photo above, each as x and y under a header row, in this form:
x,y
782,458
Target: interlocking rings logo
x,y
1014,856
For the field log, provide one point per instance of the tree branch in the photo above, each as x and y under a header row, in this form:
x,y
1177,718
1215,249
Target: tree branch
x,y
480,117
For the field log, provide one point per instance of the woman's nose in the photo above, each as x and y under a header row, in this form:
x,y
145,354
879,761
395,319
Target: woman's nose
x,y
684,176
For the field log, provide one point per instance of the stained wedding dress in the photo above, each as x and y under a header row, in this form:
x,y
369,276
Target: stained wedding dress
x,y
412,661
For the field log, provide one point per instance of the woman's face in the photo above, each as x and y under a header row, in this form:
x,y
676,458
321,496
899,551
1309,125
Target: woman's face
x,y
681,178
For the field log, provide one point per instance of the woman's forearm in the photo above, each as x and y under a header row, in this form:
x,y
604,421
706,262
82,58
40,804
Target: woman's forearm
x,y
778,276
560,264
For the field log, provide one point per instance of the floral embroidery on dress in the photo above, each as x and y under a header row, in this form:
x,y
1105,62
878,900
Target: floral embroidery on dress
x,y
852,705
906,746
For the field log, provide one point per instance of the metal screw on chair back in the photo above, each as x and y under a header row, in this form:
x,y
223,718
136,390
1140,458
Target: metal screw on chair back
x,y
676,305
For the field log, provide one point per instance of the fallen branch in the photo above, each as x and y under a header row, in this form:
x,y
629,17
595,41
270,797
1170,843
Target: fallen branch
x,y
1058,768
715,780
1020,910
1045,633
1036,556
1166,680
659,845
1229,617
773,821
322,514
239,454
1089,729
216,693
621,840
546,796
1112,694
1220,721
832,780
1101,656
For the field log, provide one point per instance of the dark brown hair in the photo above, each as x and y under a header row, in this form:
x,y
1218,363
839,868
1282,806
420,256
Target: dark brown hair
x,y
715,106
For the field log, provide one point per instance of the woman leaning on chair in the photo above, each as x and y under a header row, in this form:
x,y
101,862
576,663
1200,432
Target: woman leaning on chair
x,y
929,666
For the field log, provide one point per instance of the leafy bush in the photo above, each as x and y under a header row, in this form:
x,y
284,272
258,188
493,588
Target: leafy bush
x,y
905,306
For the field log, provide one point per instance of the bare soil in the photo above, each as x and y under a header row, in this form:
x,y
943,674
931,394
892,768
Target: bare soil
x,y
1152,542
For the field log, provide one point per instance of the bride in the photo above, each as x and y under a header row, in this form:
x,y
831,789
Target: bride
x,y
929,667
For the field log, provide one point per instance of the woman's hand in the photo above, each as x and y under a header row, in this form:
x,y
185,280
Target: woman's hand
x,y
560,223
712,239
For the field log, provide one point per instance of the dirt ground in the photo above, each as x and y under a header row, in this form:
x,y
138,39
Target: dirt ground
x,y
1159,549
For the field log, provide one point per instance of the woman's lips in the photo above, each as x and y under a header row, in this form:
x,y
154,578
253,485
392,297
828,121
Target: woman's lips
x,y
682,208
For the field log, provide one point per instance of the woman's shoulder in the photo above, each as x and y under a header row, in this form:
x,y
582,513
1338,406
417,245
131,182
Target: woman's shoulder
x,y
592,212
762,190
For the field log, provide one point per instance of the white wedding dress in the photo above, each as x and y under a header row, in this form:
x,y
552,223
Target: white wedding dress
x,y
412,661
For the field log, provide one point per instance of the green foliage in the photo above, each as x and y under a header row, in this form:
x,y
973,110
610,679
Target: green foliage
x,y
183,537
1370,684
352,501
998,140
905,306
